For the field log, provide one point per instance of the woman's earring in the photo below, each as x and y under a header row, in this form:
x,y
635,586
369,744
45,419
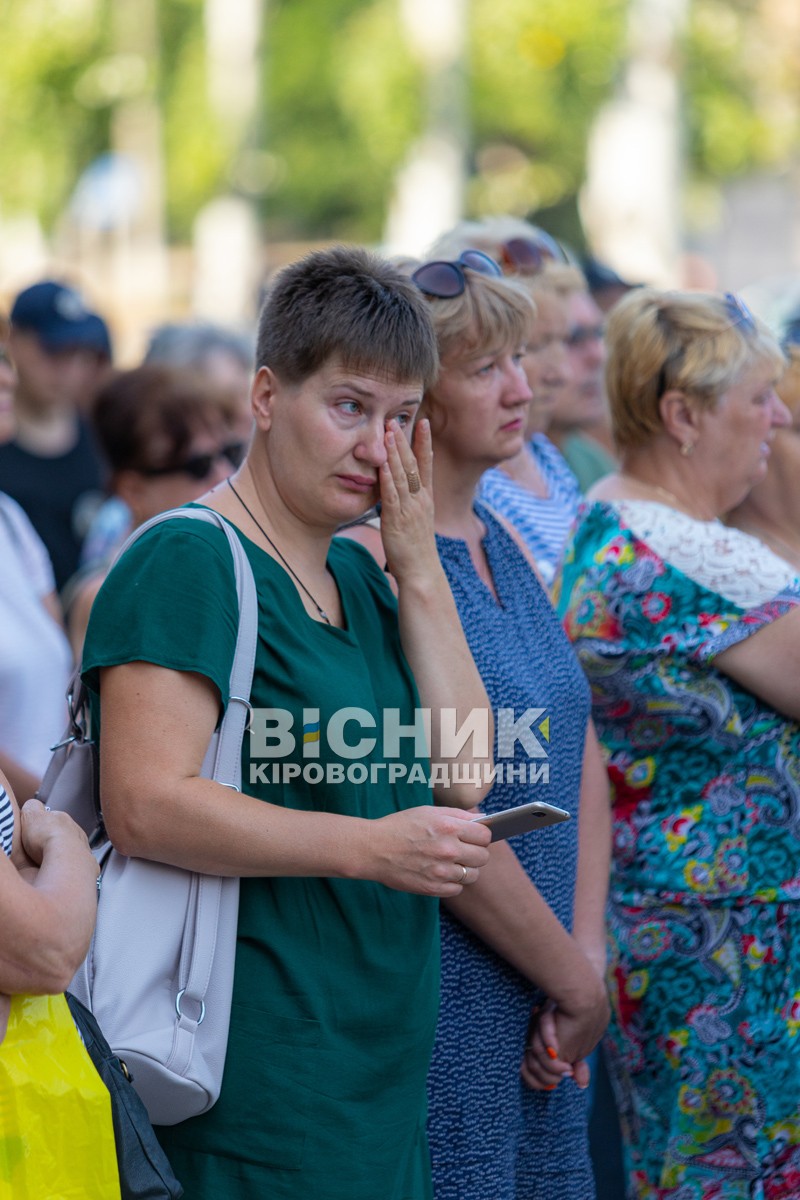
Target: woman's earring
x,y
687,448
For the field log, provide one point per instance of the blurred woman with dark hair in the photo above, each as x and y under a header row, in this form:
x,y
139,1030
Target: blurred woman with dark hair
x,y
165,433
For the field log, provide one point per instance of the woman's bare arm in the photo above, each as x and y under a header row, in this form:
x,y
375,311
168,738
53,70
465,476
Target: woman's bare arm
x,y
47,914
594,855
767,663
155,729
507,912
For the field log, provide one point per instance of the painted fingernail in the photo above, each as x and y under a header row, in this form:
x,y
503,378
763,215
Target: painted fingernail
x,y
551,1051
551,1087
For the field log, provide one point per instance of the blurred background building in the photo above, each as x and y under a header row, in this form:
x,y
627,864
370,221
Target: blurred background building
x,y
167,154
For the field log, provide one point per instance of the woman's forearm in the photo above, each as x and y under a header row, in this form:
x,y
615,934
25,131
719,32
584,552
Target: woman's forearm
x,y
507,912
48,912
594,855
157,806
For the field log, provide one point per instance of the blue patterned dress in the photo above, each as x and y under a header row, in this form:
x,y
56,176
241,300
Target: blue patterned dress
x,y
491,1138
704,912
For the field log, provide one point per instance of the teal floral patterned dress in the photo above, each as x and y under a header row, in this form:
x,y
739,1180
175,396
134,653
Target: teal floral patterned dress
x,y
704,912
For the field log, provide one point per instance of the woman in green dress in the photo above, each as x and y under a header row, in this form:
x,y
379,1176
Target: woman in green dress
x,y
340,854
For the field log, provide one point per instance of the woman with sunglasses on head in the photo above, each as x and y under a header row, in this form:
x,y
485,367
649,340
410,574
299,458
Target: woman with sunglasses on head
x,y
340,852
166,435
523,952
689,632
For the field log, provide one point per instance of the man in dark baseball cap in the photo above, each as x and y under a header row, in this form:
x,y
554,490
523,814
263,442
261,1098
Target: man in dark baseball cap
x,y
60,319
62,353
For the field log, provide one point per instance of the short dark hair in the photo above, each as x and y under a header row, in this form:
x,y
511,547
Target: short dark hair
x,y
147,417
347,304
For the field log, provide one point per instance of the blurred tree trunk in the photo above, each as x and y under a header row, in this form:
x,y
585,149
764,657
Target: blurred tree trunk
x,y
429,187
228,260
631,204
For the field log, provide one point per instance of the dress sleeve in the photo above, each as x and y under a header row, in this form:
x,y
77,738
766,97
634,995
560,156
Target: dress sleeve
x,y
170,600
670,586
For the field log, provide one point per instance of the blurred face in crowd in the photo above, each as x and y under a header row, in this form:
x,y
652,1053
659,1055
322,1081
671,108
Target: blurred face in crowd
x,y
231,374
54,379
582,401
546,362
169,483
8,383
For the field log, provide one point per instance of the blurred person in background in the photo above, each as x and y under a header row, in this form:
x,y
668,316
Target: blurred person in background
x,y
61,351
605,286
535,489
8,384
579,424
771,510
35,661
167,435
689,632
223,356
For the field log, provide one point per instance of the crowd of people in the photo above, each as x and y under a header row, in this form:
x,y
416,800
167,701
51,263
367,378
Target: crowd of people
x,y
553,536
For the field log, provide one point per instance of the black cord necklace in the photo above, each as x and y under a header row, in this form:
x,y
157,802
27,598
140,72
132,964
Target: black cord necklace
x,y
293,574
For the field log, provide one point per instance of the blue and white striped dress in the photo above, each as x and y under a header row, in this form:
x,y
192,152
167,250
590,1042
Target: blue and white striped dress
x,y
6,822
543,521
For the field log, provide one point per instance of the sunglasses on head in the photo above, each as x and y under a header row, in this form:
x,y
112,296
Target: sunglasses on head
x,y
445,280
738,312
200,466
529,255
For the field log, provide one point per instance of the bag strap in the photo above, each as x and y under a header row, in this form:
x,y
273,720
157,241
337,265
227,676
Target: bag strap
x,y
223,761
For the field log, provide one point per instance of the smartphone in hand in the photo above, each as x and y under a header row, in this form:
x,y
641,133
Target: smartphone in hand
x,y
523,819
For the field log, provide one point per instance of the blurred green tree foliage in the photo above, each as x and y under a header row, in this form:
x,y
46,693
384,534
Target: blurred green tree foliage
x,y
344,102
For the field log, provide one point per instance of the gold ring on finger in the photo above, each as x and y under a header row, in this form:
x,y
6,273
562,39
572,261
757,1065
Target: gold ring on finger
x,y
414,483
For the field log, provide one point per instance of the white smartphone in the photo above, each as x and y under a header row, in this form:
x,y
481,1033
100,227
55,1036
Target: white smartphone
x,y
525,817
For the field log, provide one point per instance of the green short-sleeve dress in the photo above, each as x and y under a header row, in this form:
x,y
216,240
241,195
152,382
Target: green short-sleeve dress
x,y
335,995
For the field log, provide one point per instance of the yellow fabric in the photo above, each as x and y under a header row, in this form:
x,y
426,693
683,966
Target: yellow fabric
x,y
56,1132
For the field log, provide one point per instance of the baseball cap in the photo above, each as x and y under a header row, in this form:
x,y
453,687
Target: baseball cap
x,y
57,314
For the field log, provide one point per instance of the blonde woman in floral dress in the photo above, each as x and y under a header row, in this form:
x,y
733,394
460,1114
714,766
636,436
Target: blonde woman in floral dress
x,y
689,632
